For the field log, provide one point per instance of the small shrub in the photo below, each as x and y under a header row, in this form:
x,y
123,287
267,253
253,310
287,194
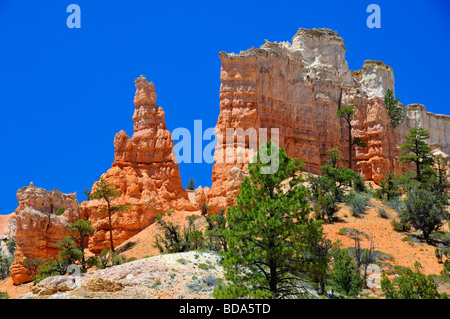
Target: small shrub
x,y
396,204
401,225
439,253
91,261
182,261
128,260
60,211
382,213
128,245
446,271
441,236
352,231
410,284
156,283
357,202
205,266
50,267
358,183
423,211
4,295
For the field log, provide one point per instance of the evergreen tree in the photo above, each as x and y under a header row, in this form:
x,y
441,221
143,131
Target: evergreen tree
x,y
70,251
81,230
191,184
394,110
424,211
334,156
327,190
107,192
269,233
437,180
348,112
345,276
417,151
389,187
216,223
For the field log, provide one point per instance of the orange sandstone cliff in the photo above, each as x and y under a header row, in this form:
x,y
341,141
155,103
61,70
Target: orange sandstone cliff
x,y
297,87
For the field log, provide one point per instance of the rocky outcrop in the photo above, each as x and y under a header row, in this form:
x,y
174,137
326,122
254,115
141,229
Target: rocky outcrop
x,y
168,276
144,171
437,125
38,229
297,87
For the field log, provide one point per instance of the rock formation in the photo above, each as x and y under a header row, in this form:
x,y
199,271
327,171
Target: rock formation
x,y
297,87
144,171
437,125
38,229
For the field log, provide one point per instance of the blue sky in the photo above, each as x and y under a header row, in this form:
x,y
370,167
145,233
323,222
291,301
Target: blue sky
x,y
65,93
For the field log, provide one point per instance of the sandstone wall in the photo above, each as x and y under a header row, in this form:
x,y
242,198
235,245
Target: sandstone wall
x,y
437,125
297,87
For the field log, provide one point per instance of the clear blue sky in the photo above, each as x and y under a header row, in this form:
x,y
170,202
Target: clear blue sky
x,y
65,93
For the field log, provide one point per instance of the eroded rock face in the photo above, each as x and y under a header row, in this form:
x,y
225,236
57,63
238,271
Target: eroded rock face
x,y
437,125
297,87
144,171
38,229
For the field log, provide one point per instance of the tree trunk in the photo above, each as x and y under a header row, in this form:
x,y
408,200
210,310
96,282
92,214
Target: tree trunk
x,y
110,227
349,145
83,260
321,287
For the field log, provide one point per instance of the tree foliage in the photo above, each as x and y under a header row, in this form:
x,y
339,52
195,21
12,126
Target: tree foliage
x,y
394,109
348,112
269,233
80,230
191,184
345,275
389,187
424,211
417,151
107,192
411,284
175,239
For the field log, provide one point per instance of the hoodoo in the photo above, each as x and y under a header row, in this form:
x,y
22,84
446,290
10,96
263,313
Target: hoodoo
x,y
144,171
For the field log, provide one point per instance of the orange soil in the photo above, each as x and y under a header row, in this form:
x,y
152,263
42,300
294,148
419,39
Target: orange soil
x,y
385,239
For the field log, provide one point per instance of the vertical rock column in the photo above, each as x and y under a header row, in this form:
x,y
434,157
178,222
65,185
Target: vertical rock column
x,y
144,171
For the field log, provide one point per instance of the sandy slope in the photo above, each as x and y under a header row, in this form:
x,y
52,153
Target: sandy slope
x,y
378,229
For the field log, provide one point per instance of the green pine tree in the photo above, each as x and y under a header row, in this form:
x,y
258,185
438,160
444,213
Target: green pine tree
x,y
191,184
348,112
107,192
345,276
417,151
268,233
394,110
81,230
